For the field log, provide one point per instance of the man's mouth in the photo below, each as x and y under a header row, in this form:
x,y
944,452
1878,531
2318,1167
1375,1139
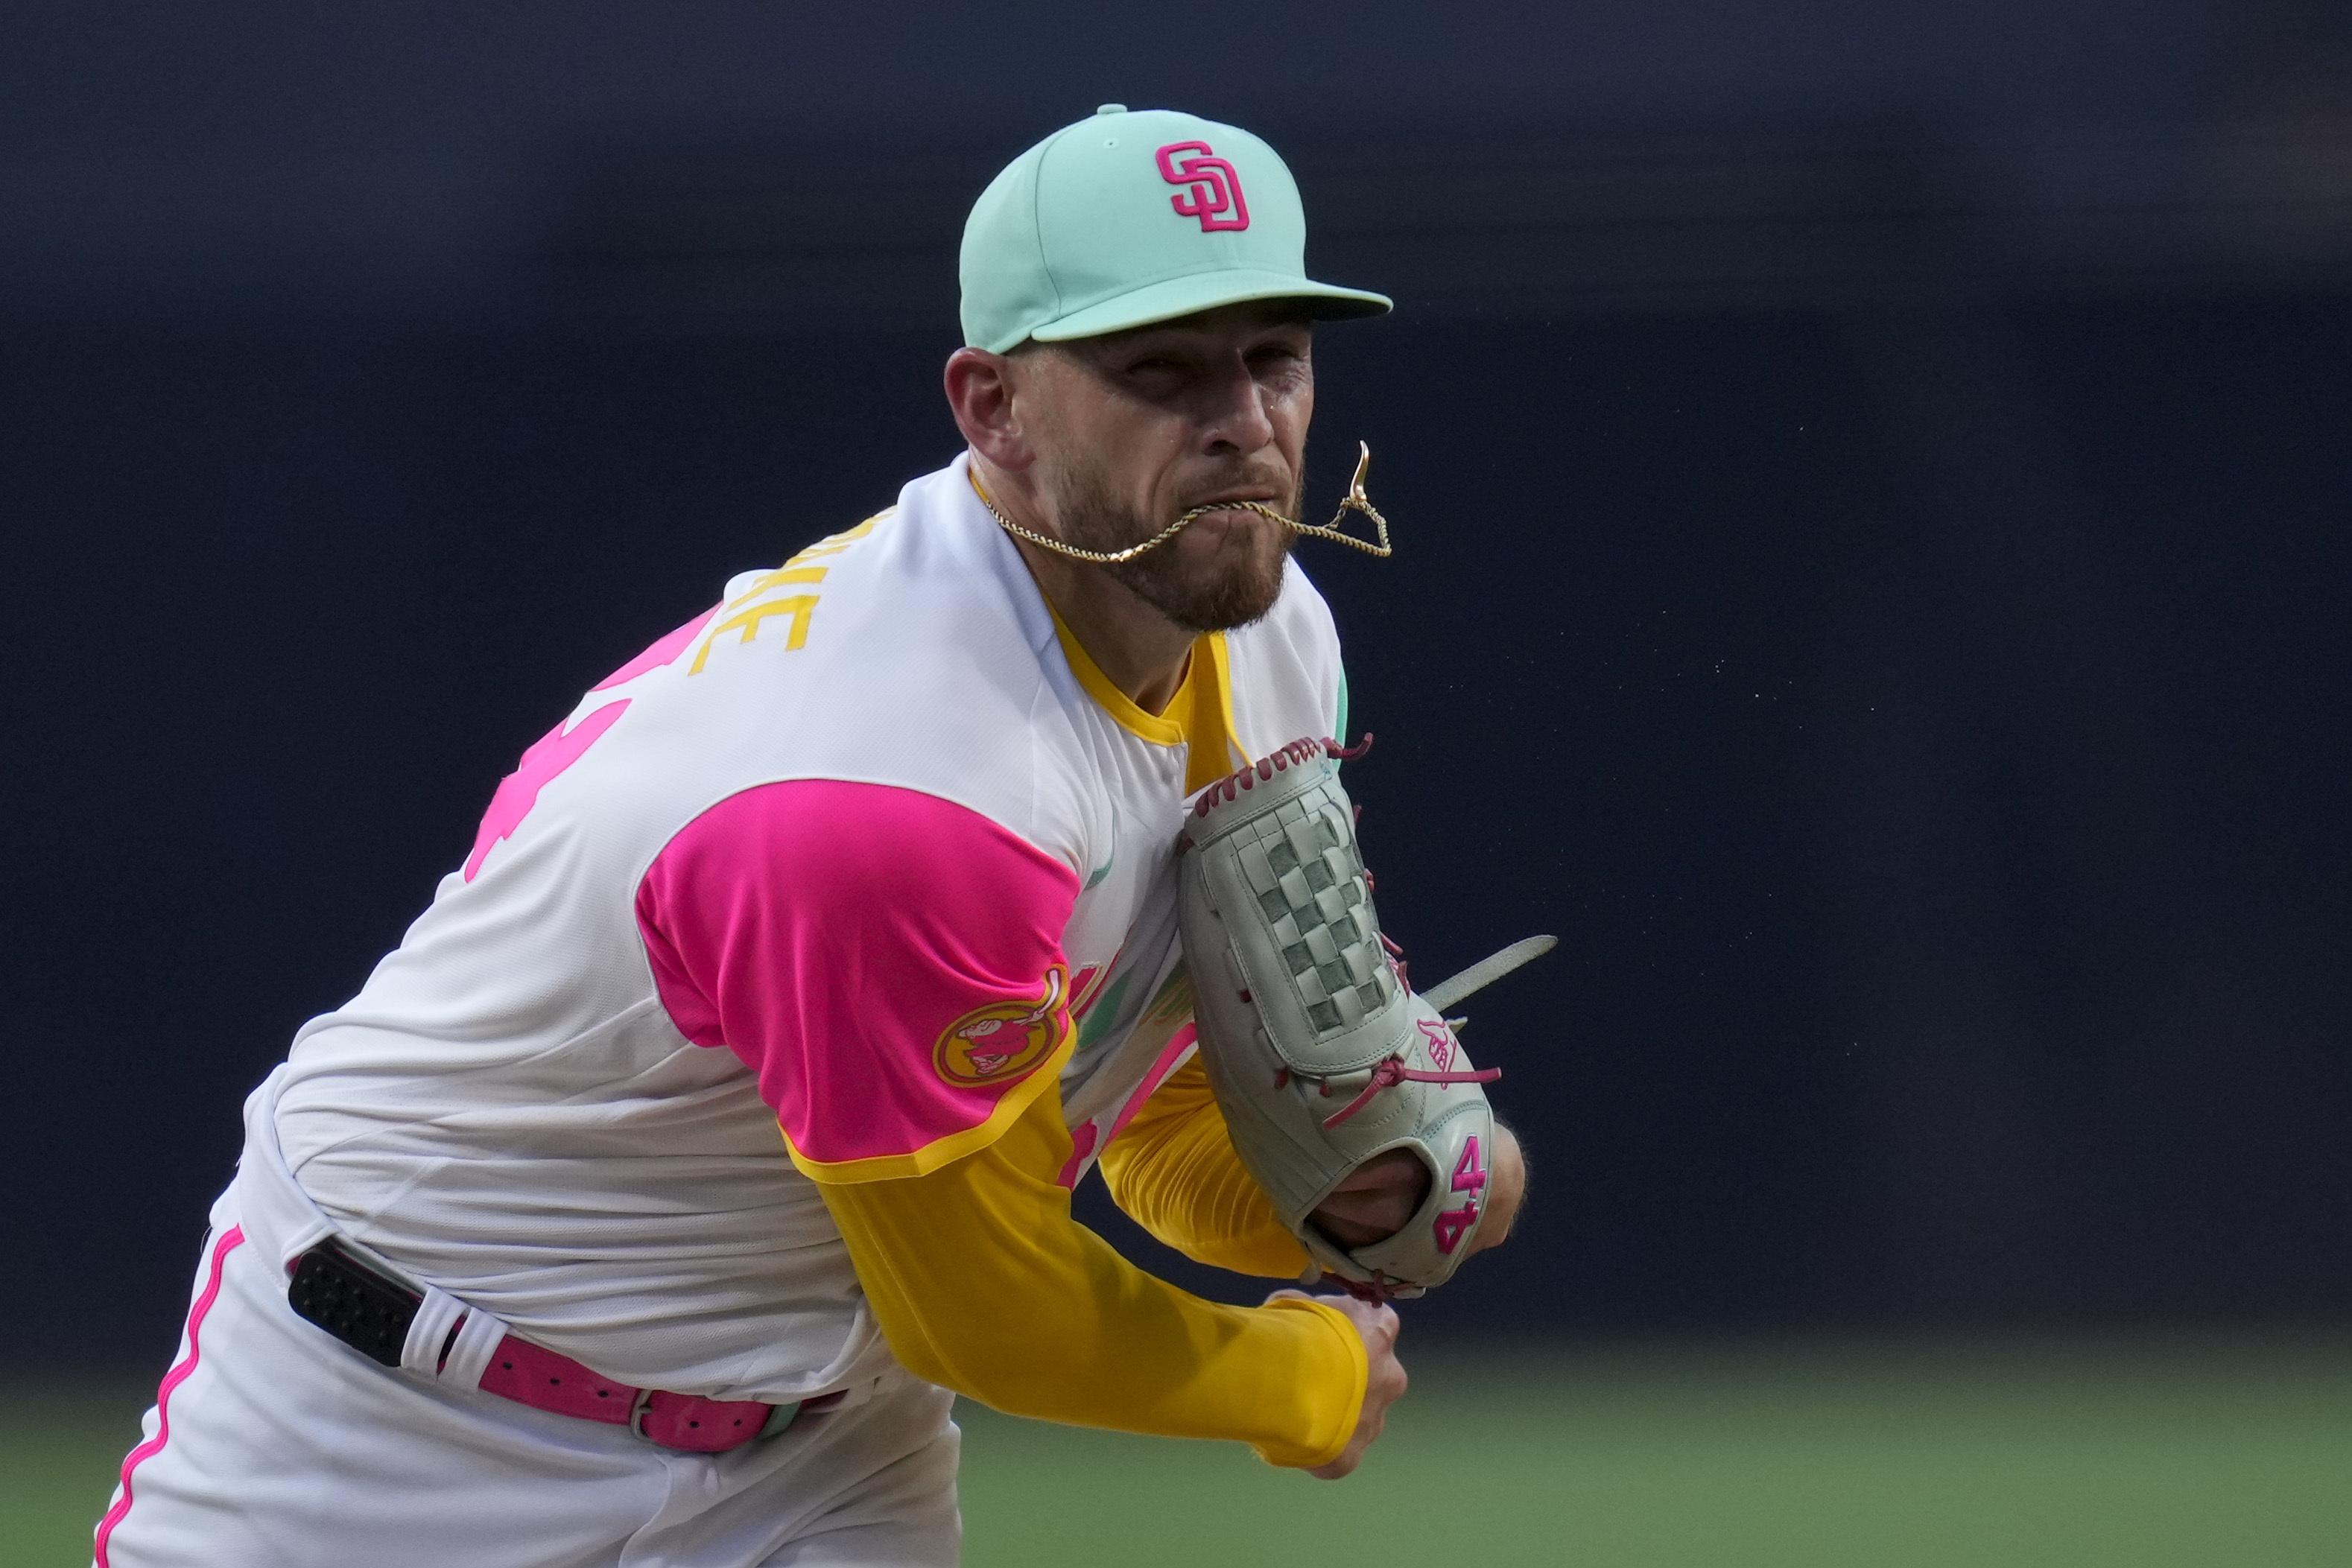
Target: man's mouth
x,y
1235,501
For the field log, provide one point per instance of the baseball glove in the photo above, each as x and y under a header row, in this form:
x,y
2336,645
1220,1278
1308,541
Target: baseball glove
x,y
1320,1055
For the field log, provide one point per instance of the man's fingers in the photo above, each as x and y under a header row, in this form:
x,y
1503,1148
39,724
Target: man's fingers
x,y
1376,1321
1373,1201
1385,1378
1396,1169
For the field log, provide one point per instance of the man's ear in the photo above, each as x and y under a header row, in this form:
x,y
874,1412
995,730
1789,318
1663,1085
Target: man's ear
x,y
982,393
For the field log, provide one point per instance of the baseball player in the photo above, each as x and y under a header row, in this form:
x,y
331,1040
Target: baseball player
x,y
880,851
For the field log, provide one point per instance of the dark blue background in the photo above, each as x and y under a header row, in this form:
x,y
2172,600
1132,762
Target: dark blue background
x,y
1870,492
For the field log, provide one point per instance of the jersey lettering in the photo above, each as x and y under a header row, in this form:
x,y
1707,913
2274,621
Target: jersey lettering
x,y
745,617
799,607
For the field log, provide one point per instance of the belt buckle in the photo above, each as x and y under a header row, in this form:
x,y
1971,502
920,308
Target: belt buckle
x,y
637,1412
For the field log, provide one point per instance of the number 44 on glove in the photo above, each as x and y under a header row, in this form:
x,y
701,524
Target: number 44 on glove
x,y
1320,1056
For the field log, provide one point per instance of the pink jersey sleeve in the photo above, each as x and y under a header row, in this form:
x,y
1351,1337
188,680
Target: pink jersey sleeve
x,y
888,963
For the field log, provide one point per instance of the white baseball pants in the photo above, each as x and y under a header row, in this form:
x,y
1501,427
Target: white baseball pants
x,y
273,1444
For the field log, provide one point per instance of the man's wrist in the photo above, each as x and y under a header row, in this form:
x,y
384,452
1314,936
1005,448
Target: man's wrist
x,y
1335,1382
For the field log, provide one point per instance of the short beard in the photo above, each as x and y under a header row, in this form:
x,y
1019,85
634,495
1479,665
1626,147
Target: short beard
x,y
1236,591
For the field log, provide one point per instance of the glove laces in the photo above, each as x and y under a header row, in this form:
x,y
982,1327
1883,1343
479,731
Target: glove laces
x,y
1263,770
1392,1071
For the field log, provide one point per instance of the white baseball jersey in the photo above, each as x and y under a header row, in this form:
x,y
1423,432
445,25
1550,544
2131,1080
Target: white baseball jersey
x,y
852,852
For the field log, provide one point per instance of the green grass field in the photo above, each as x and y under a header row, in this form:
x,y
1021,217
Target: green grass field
x,y
1814,1458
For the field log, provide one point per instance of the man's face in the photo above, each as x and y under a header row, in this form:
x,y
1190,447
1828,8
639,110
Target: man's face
x,y
1134,430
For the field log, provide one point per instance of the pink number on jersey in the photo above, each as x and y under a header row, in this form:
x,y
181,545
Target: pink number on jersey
x,y
549,755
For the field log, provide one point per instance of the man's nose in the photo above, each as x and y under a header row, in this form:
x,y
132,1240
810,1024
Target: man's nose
x,y
1238,418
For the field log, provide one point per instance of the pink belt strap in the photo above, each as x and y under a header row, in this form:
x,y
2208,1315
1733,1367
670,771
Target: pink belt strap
x,y
374,1311
545,1380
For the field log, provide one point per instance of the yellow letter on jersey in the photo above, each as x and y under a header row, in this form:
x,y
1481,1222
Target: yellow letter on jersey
x,y
747,621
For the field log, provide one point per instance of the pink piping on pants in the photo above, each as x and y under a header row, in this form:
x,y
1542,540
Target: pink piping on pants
x,y
171,1379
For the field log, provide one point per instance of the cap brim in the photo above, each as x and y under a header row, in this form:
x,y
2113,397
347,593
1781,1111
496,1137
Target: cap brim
x,y
1196,292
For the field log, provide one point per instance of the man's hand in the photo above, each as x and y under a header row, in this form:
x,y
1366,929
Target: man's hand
x,y
1377,1196
1372,1202
1384,1379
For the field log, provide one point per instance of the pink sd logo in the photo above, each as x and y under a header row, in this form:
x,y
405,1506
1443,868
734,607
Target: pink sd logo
x,y
1214,191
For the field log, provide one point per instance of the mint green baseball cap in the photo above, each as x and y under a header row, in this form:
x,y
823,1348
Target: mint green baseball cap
x,y
1131,217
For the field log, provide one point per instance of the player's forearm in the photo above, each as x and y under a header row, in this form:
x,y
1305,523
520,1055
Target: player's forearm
x,y
1107,1345
983,1283
1173,1171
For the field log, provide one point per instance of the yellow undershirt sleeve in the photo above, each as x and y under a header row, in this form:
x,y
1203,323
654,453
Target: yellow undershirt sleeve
x,y
1173,1170
984,1284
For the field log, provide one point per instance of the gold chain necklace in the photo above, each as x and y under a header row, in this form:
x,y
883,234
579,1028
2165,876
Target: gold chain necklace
x,y
1354,501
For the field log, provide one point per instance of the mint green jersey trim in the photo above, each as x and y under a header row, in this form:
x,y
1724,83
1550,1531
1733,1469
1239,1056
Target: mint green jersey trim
x,y
1103,870
1340,722
1103,1013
